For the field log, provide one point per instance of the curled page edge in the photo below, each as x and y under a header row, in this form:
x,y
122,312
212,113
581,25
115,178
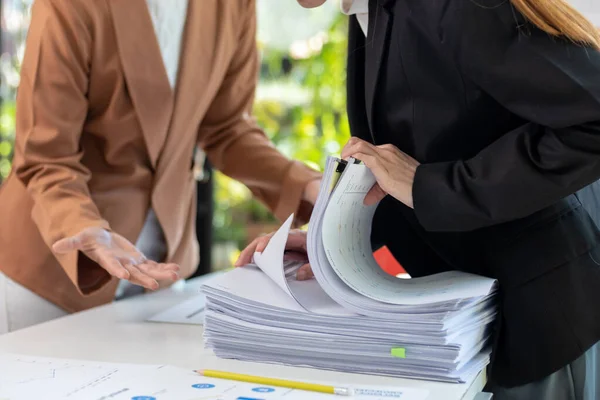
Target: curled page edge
x,y
270,261
307,294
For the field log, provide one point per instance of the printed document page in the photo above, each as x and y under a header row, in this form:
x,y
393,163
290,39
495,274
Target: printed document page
x,y
27,378
346,231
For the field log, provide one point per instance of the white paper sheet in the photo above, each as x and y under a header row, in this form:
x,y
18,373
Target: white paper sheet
x,y
249,283
308,294
346,232
30,378
270,261
189,312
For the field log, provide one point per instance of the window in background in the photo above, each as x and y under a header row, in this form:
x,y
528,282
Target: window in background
x,y
14,22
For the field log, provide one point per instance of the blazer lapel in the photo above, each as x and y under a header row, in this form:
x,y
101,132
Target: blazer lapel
x,y
201,56
355,83
198,57
375,51
144,71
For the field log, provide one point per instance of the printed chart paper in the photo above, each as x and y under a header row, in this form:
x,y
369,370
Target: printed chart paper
x,y
28,378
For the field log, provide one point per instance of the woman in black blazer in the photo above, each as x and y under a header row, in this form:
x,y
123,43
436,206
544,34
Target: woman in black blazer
x,y
481,121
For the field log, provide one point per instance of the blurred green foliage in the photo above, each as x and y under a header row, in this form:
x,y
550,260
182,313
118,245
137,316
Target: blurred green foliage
x,y
15,21
303,112
7,130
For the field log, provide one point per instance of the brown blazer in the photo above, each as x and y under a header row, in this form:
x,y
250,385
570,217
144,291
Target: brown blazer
x,y
101,137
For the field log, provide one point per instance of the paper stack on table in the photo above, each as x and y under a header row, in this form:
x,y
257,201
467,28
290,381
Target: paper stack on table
x,y
353,317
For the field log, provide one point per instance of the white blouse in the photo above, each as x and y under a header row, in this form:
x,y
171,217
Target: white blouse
x,y
168,18
360,8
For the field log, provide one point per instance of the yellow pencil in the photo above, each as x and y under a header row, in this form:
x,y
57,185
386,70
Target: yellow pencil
x,y
311,387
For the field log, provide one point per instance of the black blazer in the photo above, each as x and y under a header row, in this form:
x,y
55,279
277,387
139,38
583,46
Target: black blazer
x,y
506,123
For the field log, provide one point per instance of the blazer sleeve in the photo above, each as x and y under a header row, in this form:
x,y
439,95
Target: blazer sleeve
x,y
552,84
51,110
236,146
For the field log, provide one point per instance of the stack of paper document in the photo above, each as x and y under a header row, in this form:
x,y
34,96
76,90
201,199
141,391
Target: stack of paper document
x,y
353,316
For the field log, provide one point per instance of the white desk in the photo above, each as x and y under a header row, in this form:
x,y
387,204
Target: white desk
x,y
118,333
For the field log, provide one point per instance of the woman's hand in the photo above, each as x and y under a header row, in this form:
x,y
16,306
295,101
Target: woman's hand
x,y
393,169
295,250
118,257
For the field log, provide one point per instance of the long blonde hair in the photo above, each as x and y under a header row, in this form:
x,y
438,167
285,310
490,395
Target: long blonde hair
x,y
558,18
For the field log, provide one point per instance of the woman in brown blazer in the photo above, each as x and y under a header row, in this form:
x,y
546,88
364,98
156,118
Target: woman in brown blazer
x,y
106,132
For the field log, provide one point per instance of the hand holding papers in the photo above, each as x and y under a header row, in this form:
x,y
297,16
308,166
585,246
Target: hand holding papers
x,y
342,259
353,316
394,170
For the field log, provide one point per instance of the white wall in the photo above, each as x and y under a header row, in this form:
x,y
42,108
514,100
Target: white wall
x,y
589,8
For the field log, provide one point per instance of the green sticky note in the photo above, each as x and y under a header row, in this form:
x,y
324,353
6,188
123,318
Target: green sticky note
x,y
399,352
